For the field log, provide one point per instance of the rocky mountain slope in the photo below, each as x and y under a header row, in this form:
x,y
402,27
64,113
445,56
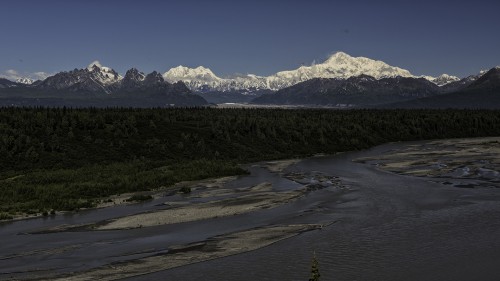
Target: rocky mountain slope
x,y
482,92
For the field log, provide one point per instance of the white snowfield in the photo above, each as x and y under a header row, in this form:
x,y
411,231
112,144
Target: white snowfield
x,y
25,80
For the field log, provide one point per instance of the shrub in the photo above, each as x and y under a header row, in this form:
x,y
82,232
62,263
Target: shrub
x,y
5,216
139,198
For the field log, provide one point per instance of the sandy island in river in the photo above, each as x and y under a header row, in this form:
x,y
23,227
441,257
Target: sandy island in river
x,y
216,247
460,162
220,208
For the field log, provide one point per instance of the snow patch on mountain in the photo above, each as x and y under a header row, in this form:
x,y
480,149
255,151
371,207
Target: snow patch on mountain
x,y
199,78
198,73
443,79
104,74
25,80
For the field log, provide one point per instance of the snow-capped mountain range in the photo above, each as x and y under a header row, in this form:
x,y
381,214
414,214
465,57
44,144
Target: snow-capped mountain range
x,y
99,86
201,79
359,81
340,65
97,78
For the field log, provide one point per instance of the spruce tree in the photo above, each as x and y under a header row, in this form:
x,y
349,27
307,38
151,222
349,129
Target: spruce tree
x,y
314,269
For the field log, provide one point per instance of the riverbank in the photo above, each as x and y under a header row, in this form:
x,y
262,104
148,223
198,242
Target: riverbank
x,y
211,187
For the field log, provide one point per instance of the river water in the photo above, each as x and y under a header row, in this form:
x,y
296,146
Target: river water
x,y
387,227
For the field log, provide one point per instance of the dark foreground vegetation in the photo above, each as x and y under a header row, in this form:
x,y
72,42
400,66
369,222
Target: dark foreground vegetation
x,y
66,159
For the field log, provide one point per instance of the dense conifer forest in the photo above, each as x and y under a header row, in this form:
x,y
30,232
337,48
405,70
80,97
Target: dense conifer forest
x,y
66,159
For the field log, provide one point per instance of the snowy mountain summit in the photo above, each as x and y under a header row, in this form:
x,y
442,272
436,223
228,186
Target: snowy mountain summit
x,y
199,78
444,79
103,74
200,73
343,66
339,65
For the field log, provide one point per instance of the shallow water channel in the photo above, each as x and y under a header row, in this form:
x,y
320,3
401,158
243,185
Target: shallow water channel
x,y
384,227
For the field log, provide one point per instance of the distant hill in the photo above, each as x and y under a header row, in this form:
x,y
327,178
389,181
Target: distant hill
x,y
5,83
359,91
481,93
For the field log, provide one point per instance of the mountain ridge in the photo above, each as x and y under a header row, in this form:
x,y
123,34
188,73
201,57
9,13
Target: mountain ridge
x,y
340,79
482,93
100,86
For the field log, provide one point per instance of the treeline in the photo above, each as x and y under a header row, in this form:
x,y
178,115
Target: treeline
x,y
98,152
70,138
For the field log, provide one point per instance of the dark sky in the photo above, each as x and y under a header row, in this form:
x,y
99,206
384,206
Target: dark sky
x,y
257,36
